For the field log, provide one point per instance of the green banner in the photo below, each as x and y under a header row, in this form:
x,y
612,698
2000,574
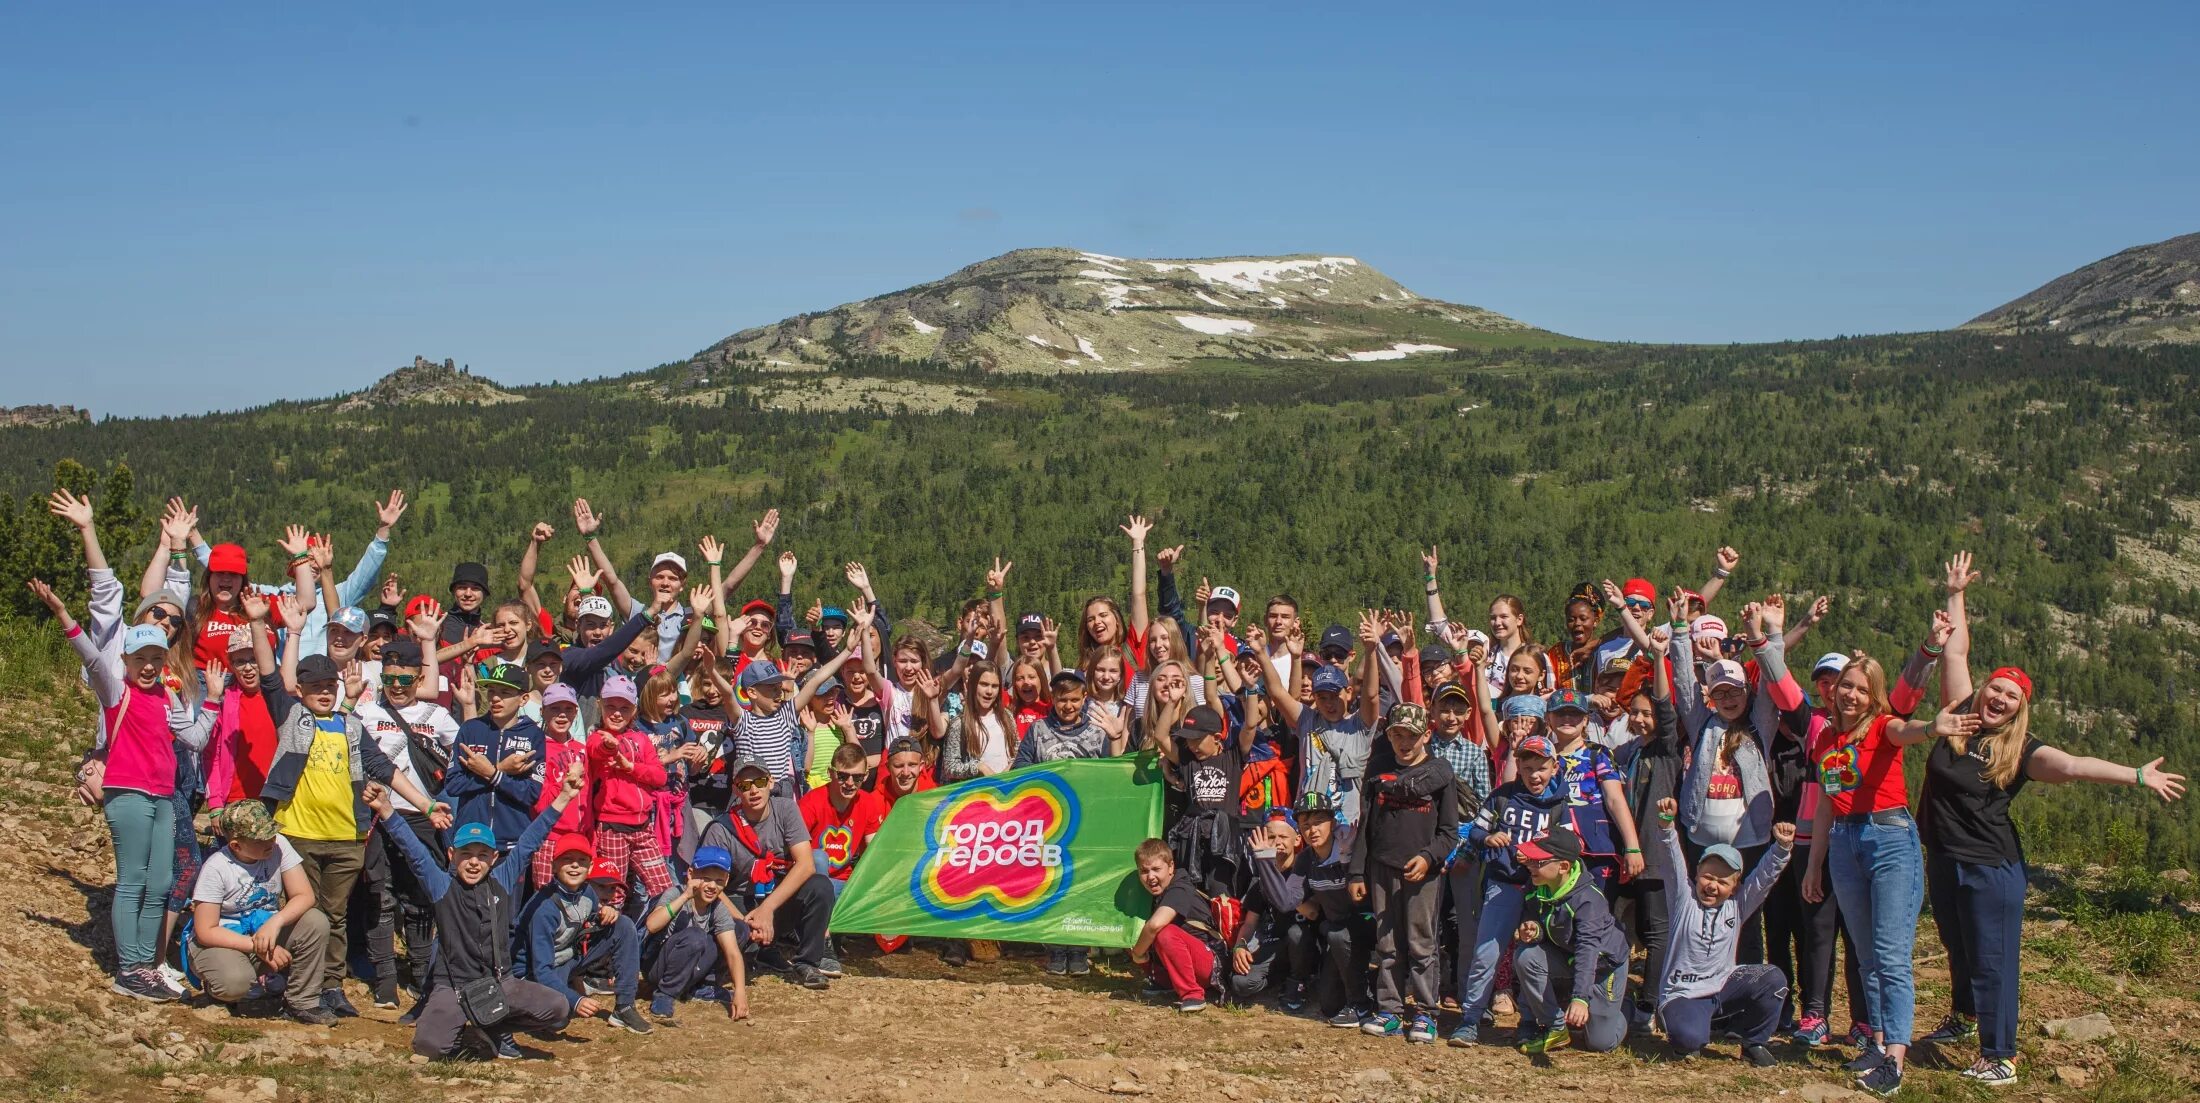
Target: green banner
x,y
1041,854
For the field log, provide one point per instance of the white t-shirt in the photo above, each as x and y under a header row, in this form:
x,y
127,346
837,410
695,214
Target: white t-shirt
x,y
992,744
425,717
241,887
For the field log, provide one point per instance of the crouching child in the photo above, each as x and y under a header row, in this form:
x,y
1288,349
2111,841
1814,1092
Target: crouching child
x,y
1177,944
477,1002
1703,985
252,916
696,938
1570,947
568,931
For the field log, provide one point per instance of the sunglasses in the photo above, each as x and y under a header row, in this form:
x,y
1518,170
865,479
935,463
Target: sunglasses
x,y
751,784
1732,645
1636,603
851,779
399,680
162,614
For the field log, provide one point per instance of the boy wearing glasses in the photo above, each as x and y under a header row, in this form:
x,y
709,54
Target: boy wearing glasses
x,y
787,904
842,816
416,736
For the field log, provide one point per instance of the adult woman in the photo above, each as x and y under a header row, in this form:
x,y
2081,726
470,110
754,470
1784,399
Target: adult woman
x,y
1974,862
1864,841
981,735
1101,631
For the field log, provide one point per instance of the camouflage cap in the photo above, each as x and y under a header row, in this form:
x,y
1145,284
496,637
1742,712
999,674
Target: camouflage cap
x,y
248,820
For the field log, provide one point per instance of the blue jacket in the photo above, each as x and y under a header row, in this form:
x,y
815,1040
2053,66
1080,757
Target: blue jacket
x,y
585,666
506,804
535,942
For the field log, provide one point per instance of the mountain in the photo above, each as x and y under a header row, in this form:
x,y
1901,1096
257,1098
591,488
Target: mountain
x,y
1052,310
429,382
42,416
2145,295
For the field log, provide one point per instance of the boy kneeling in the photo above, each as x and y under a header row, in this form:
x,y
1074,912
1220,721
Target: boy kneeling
x,y
1177,944
567,932
1569,926
473,935
252,912
1702,983
686,924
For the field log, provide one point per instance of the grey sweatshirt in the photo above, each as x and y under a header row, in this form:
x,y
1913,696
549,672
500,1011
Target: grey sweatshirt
x,y
1702,942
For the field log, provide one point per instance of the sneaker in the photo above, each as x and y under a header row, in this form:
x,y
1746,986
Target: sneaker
x,y
1057,962
385,994
412,1014
1293,998
1953,1030
1154,991
258,991
1884,1079
809,977
984,950
1077,963
707,993
1345,1019
1759,1056
663,1005
1421,1030
1384,1026
141,982
630,1017
1502,1004
1860,1034
590,986
1556,1038
333,1002
1191,1007
1812,1032
173,977
506,1049
311,1016
771,960
1464,1036
830,966
1993,1072
1867,1059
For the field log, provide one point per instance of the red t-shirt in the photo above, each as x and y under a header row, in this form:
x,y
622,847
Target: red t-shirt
x,y
841,838
1863,774
215,636
256,747
924,781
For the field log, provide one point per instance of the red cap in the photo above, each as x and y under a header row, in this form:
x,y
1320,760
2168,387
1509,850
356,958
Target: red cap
x,y
603,870
760,606
573,843
2017,675
226,559
418,605
1639,587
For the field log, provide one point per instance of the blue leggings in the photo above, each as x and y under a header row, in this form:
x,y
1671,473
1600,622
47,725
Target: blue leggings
x,y
144,833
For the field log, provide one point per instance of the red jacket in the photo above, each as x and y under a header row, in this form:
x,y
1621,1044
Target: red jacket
x,y
623,796
578,816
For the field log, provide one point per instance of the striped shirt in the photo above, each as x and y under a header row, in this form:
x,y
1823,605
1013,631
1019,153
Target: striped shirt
x,y
770,740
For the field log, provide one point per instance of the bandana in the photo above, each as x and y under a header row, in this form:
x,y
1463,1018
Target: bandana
x,y
2017,675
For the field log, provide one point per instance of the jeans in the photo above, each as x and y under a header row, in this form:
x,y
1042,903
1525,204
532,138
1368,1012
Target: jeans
x,y
1333,956
1748,1004
1980,913
144,833
1878,872
1493,931
1463,885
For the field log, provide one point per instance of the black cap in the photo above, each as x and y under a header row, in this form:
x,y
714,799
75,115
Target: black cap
x,y
539,650
470,572
1031,622
1561,843
1068,674
381,618
396,653
904,745
1316,802
1336,636
318,668
1203,720
800,637
1434,654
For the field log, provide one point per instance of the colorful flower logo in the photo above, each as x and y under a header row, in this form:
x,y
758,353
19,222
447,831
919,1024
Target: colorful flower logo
x,y
999,851
836,842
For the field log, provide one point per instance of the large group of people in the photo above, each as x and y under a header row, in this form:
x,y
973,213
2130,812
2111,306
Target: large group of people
x,y
501,815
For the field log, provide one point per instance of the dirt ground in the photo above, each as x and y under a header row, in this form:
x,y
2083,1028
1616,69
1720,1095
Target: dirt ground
x,y
904,1027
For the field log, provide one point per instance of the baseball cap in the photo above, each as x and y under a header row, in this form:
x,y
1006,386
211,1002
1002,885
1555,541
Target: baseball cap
x,y
1453,689
162,596
573,842
675,558
1523,704
595,605
142,636
1707,625
1202,720
1618,664
560,694
350,618
1535,746
1725,672
1409,716
1565,699
747,765
767,609
381,618
1245,651
1225,593
618,687
712,857
538,651
1476,635
1561,843
248,820
1434,654
798,638
829,612
1316,802
402,653
508,675
226,559
1336,637
1639,589
473,573
1031,622
903,745
473,834
315,668
1068,674
1831,660
761,671
1721,852
1390,639
1329,679
602,870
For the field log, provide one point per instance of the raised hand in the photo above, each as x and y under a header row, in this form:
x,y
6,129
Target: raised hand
x,y
295,540
176,523
1137,530
1428,559
1371,627
1255,635
1676,608
389,511
217,679
583,570
699,597
1167,558
787,565
321,554
253,604
767,527
1960,574
815,615
1726,558
1295,639
1668,808
1613,596
2165,785
468,680
64,504
576,775
47,597
1950,724
1819,607
293,611
714,553
1199,596
997,578
926,684
427,623
858,577
355,681
843,717
1052,631
1772,613
1752,620
1784,834
541,533
585,520
1660,641
1942,630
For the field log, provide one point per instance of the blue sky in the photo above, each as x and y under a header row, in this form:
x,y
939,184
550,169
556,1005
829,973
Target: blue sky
x,y
210,206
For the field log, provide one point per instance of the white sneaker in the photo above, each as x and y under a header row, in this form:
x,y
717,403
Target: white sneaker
x,y
175,977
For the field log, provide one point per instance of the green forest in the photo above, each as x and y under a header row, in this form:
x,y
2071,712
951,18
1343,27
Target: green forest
x,y
1847,467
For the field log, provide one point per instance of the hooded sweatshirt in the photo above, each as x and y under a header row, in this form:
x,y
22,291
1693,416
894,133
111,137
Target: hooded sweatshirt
x,y
1702,942
624,796
1576,920
1523,815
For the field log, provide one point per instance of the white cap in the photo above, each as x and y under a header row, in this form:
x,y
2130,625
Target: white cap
x,y
1476,635
673,558
596,605
1225,593
1725,672
1831,660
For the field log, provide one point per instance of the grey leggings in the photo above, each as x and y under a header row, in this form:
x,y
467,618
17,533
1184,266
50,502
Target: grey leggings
x,y
144,832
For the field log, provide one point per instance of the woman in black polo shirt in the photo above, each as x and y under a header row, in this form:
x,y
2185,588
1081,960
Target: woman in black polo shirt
x,y
1974,867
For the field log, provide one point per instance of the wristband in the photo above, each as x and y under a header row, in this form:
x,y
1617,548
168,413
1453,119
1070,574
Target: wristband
x,y
1663,818
1721,572
710,562
1632,850
1930,650
1428,578
2139,776
1580,1000
588,591
300,558
993,595
177,556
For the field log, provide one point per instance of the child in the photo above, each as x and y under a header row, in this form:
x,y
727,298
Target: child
x,y
905,772
626,775
252,913
1411,821
1517,811
1329,944
677,749
493,777
1600,815
473,931
1177,944
561,709
416,736
842,815
1569,925
1208,763
787,905
567,931
685,924
1702,983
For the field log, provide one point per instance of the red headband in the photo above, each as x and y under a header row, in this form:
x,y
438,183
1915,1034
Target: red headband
x,y
2017,675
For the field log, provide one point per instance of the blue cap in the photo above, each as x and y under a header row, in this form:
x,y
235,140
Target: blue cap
x,y
759,671
712,857
470,834
1720,852
1245,651
1523,704
350,618
1565,699
1329,679
833,612
141,636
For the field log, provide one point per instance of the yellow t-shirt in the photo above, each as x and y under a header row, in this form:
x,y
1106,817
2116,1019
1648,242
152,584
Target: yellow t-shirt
x,y
321,807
